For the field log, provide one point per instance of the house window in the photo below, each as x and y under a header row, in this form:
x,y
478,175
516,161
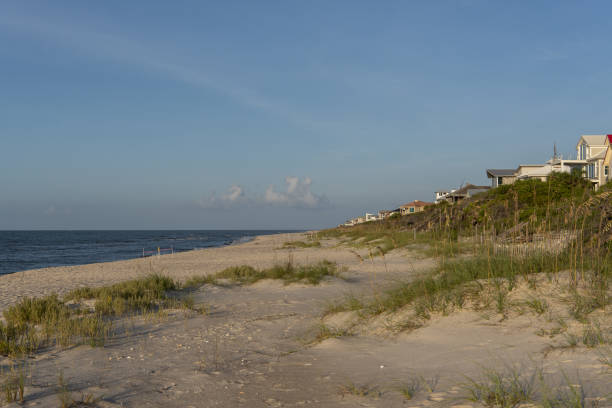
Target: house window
x,y
606,170
591,171
500,181
411,209
583,152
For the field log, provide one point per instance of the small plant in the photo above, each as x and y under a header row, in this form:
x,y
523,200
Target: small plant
x,y
349,303
411,388
325,332
359,390
571,340
539,306
568,396
198,281
504,388
605,357
592,336
66,398
416,384
13,386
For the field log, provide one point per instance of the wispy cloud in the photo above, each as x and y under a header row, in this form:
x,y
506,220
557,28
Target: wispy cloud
x,y
153,59
51,210
233,197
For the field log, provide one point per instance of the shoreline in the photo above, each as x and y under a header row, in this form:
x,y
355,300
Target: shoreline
x,y
63,248
180,265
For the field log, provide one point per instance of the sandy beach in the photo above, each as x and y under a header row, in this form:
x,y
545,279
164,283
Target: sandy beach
x,y
256,346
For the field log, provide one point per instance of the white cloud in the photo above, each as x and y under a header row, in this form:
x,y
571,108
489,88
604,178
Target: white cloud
x,y
234,196
298,194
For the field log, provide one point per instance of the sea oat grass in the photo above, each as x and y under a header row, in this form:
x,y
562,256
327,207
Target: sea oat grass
x,y
287,272
302,244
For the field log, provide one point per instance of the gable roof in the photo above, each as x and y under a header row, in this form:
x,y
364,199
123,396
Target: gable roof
x,y
593,140
500,172
598,156
416,203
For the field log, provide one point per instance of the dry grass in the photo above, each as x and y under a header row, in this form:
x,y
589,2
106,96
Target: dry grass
x,y
287,272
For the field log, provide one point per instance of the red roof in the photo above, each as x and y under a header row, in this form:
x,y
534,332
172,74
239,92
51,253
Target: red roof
x,y
609,138
416,203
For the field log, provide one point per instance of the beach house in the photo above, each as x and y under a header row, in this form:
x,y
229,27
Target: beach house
x,y
413,207
441,195
384,214
464,192
592,151
370,217
501,176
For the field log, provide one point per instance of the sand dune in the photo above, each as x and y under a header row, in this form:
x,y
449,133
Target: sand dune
x,y
255,346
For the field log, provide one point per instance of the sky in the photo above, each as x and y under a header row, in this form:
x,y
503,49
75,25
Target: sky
x,y
282,114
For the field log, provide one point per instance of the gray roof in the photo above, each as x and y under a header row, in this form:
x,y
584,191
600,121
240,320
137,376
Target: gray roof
x,y
500,172
469,188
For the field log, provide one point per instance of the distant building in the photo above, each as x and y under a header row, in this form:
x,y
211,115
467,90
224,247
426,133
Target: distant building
x,y
370,217
464,192
413,207
501,176
440,196
384,214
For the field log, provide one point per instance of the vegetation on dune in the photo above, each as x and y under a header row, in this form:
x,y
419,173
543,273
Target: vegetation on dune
x,y
287,272
302,244
508,236
138,295
563,203
53,321
511,387
34,323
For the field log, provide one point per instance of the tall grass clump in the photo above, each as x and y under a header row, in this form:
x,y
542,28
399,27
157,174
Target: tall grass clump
x,y
287,272
49,321
302,244
134,296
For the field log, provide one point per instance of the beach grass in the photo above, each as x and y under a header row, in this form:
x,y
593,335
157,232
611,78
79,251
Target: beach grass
x,y
288,272
34,323
302,244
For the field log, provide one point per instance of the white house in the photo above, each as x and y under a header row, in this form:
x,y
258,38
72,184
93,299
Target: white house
x,y
592,150
440,196
370,217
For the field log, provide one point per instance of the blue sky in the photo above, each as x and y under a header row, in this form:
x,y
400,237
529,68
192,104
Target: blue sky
x,y
192,114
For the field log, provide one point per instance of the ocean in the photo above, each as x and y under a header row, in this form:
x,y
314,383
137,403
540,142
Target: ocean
x,y
23,250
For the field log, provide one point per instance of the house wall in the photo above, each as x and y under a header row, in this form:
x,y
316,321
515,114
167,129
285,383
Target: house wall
x,y
411,209
504,180
607,161
540,172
